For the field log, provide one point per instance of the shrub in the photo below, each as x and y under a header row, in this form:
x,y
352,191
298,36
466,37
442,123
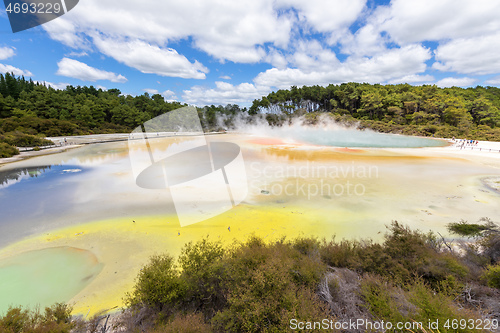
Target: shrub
x,y
158,284
57,319
270,284
414,303
404,255
7,150
492,276
189,323
25,140
204,273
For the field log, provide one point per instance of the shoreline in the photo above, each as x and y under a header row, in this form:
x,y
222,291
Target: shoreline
x,y
124,244
78,141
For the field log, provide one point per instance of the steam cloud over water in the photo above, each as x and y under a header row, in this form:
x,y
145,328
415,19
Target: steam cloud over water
x,y
327,132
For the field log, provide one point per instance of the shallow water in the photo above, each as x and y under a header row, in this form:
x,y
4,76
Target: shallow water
x,y
292,190
355,138
43,277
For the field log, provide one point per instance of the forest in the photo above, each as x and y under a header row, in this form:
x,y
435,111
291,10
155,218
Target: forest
x,y
31,111
425,110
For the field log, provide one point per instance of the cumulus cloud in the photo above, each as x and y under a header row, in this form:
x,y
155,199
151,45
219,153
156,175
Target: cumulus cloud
x,y
14,70
493,81
151,91
225,77
235,31
169,95
57,86
224,93
149,58
79,70
65,31
6,52
325,15
392,64
416,21
470,56
414,78
306,42
456,82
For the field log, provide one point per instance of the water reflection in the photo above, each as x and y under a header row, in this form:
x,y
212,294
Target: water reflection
x,y
11,177
287,194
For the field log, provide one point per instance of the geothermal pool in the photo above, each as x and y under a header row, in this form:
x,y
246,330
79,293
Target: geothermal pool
x,y
336,136
81,212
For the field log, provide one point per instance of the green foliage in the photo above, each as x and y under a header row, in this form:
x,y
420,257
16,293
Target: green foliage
x,y
158,284
32,108
20,139
412,110
6,150
270,284
414,303
404,255
465,229
189,323
56,319
492,276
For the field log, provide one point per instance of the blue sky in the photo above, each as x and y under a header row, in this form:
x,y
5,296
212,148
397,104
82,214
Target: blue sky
x,y
224,51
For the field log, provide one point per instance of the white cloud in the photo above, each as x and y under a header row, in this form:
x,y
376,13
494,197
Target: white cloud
x,y
456,82
167,94
296,37
79,70
57,86
227,31
224,93
416,21
471,56
325,15
6,52
236,31
414,78
151,59
15,70
225,77
276,58
392,64
77,54
493,81
65,31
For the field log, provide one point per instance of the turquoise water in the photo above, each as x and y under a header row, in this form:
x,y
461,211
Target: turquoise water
x,y
359,139
43,277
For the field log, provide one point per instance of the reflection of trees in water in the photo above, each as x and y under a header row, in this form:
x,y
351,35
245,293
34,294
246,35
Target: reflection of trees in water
x,y
17,174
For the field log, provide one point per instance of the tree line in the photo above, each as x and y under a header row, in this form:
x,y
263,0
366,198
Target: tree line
x,y
423,110
30,111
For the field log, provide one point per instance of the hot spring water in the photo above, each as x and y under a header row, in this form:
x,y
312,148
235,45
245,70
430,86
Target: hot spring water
x,y
43,277
336,136
95,183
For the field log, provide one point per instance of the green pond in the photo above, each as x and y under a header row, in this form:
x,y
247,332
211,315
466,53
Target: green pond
x,y
43,277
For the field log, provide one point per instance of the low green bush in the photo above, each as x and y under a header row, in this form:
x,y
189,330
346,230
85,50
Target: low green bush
x,y
56,319
492,276
20,139
7,150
